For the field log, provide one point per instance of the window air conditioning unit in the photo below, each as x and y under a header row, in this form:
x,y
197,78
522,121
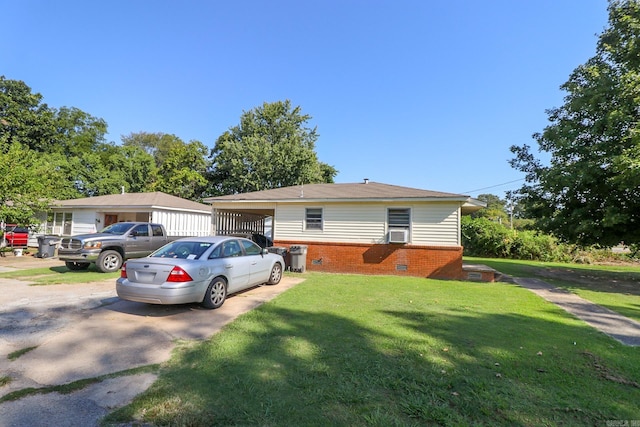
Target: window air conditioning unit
x,y
398,236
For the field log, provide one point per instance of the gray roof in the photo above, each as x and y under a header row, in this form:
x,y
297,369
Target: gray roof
x,y
156,200
338,192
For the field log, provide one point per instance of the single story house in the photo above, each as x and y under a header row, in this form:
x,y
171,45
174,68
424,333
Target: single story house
x,y
367,227
180,217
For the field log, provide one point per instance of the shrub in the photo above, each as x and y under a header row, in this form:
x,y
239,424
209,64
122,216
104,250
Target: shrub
x,y
484,238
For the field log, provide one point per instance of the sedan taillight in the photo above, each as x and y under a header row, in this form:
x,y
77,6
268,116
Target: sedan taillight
x,y
123,271
179,275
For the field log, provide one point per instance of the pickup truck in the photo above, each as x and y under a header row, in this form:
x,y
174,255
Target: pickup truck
x,y
16,236
110,247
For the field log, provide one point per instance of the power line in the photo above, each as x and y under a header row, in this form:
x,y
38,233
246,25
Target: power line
x,y
493,186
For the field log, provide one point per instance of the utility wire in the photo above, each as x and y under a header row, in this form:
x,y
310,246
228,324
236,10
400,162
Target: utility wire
x,y
493,186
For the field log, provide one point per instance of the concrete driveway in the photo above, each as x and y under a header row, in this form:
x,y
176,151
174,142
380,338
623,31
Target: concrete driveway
x,y
84,331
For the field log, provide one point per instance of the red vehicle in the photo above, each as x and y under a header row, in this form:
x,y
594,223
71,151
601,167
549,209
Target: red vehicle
x,y
16,236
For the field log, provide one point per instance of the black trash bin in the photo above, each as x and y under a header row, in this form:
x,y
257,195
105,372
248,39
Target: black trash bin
x,y
47,246
298,258
282,251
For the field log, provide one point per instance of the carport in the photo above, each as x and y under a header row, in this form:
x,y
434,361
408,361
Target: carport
x,y
227,221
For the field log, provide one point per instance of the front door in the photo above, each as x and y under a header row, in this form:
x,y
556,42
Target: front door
x,y
110,219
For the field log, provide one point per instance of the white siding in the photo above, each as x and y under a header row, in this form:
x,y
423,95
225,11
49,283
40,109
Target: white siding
x,y
432,223
435,224
183,223
84,221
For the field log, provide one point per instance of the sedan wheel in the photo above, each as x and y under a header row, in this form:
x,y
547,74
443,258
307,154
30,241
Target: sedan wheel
x,y
276,274
216,293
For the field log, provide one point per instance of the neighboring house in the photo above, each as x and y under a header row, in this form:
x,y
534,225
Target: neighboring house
x,y
180,217
368,227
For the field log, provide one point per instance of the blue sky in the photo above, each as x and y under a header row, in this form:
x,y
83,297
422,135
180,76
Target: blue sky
x,y
419,93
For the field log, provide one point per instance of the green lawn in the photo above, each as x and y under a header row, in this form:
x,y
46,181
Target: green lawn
x,y
349,350
616,287
59,275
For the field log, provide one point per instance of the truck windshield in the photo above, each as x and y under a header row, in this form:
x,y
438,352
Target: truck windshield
x,y
117,228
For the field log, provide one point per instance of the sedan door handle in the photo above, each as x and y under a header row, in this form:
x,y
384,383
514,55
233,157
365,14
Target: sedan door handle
x,y
228,266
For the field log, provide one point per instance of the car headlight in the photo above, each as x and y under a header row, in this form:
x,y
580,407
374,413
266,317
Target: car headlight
x,y
93,245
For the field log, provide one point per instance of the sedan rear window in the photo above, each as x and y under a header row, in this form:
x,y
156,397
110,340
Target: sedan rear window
x,y
183,250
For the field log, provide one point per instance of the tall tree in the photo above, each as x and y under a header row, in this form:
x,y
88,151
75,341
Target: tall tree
x,y
77,132
183,170
24,119
180,168
589,192
26,185
495,210
71,141
157,144
271,147
137,168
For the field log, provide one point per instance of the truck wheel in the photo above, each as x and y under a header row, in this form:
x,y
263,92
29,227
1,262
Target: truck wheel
x,y
76,266
109,261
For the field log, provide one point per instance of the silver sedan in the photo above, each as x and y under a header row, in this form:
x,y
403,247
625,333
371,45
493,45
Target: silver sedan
x,y
198,269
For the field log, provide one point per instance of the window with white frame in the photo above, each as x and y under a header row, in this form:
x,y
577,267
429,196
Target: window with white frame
x,y
59,223
399,218
313,219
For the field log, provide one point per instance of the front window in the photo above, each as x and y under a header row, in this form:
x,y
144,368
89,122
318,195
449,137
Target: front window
x,y
313,219
68,223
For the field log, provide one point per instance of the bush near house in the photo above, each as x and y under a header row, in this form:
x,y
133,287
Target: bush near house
x,y
482,237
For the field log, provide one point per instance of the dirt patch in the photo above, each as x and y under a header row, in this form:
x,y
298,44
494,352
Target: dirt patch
x,y
606,373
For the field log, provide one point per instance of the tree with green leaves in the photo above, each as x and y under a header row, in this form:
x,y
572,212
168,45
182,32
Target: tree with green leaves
x,y
25,119
495,209
589,193
272,147
136,167
184,167
69,140
26,185
181,168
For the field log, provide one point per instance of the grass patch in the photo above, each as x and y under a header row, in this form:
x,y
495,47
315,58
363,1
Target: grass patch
x,y
59,275
351,350
616,287
5,380
75,385
14,355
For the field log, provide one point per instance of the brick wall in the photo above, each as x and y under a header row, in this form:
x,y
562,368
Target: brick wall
x,y
424,261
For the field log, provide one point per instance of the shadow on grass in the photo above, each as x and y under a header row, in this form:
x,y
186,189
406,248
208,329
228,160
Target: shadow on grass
x,y
63,269
276,366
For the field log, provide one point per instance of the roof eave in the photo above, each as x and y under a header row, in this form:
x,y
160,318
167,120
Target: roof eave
x,y
342,200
